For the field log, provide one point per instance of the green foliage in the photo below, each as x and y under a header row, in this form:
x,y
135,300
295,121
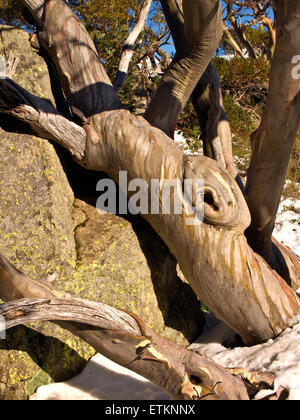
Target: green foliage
x,y
11,13
188,125
238,72
108,23
257,38
240,120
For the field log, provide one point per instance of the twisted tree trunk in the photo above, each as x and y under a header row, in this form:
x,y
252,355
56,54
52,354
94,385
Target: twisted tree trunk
x,y
235,283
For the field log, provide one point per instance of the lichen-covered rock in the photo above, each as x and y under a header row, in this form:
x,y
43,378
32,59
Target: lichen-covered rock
x,y
44,233
36,203
127,265
37,236
31,71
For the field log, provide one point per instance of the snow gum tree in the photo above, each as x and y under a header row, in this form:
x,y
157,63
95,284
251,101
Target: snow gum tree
x,y
230,259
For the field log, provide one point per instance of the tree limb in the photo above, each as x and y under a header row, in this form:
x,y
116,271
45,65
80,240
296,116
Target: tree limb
x,y
273,141
205,97
66,41
228,38
44,119
120,336
36,8
241,36
237,285
202,32
128,48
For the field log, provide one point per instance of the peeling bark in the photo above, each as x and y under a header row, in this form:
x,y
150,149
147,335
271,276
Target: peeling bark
x,y
120,336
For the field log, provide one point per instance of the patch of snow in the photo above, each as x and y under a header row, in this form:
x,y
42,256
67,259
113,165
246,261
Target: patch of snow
x,y
102,379
287,227
280,356
181,141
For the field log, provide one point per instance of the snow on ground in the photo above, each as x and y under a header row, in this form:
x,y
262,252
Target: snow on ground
x,y
287,229
104,380
181,141
280,356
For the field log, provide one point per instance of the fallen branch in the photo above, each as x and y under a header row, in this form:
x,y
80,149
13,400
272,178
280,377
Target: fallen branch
x,y
120,336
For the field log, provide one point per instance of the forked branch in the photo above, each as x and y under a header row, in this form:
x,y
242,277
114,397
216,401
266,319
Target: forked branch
x,y
202,32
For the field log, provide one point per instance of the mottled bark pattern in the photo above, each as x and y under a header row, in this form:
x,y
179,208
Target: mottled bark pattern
x,y
120,336
235,283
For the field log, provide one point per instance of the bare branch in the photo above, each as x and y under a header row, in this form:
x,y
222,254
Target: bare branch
x,y
44,119
202,97
82,311
128,48
228,38
82,76
273,141
203,30
120,336
213,255
36,8
242,37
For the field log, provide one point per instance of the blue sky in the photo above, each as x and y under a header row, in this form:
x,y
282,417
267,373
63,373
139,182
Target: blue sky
x,y
171,50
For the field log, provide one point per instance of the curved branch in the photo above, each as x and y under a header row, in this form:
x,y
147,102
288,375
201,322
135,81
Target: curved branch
x,y
36,8
242,37
273,141
68,44
122,337
128,48
77,310
206,96
237,285
228,38
44,119
203,30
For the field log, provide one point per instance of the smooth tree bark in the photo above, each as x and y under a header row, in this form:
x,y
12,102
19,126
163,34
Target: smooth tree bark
x,y
203,30
233,281
124,338
213,254
273,141
128,48
206,97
